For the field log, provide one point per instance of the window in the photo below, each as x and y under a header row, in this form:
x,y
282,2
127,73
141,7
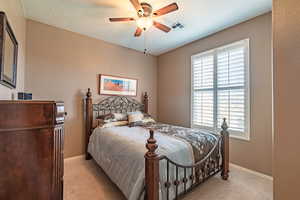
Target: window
x,y
220,89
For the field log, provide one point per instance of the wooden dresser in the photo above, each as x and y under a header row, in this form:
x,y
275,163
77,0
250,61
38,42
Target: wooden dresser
x,y
31,150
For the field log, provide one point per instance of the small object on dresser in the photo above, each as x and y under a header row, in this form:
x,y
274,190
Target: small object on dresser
x,y
24,96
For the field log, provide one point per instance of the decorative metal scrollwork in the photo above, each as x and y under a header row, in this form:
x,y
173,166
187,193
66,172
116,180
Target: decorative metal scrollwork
x,y
199,172
117,104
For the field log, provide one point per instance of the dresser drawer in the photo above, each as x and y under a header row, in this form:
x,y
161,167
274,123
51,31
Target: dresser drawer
x,y
25,114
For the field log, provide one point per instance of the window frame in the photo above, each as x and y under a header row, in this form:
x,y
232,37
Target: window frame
x,y
233,134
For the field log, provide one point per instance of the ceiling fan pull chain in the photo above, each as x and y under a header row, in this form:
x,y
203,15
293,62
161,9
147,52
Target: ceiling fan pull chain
x,y
145,49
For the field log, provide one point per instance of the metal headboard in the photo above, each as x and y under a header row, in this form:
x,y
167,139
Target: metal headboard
x,y
117,104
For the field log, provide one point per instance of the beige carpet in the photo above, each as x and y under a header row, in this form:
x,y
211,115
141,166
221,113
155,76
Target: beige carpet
x,y
84,180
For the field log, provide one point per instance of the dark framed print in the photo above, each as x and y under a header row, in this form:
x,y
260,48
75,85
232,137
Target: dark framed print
x,y
8,53
116,85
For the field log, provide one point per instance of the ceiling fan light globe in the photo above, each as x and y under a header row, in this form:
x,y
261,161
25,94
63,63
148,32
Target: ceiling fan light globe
x,y
144,22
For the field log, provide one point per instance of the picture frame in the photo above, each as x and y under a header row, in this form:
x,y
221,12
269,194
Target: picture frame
x,y
117,85
8,53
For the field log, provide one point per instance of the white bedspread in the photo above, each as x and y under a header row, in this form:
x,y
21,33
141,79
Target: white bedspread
x,y
120,153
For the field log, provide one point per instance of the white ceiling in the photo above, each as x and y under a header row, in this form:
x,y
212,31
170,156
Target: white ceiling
x,y
90,17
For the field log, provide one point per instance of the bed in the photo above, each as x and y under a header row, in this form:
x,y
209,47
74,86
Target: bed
x,y
153,161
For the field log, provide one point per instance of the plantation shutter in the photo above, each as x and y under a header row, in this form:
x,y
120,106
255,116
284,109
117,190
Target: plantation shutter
x,y
220,88
231,87
203,87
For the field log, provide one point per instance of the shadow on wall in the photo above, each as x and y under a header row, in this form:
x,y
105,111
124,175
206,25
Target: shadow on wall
x,y
74,125
80,98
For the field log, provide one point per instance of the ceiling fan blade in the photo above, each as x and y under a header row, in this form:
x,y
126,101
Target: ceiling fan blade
x,y
138,32
136,4
167,9
161,26
121,19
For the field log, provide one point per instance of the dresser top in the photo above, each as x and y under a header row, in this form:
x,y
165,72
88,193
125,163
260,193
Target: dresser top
x,y
18,115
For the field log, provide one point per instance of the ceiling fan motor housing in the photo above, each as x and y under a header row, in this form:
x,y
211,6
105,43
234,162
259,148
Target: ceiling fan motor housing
x,y
147,10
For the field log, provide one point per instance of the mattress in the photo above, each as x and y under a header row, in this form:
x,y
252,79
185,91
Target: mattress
x,y
120,151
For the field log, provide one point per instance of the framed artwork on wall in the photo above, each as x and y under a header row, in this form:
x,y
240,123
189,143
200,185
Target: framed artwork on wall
x,y
116,85
8,53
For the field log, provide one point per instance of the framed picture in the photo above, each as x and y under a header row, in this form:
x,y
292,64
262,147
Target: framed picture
x,y
8,53
116,85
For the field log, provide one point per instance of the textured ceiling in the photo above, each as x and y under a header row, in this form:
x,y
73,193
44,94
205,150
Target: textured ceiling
x,y
90,17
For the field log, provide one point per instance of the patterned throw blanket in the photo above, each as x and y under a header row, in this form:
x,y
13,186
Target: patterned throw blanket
x,y
201,142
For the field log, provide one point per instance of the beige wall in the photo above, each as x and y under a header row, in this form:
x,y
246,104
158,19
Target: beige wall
x,y
61,65
14,12
174,86
286,34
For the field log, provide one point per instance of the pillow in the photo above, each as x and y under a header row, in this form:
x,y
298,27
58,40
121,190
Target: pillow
x,y
106,118
113,117
113,124
120,116
146,115
98,122
135,117
139,118
133,124
148,120
145,121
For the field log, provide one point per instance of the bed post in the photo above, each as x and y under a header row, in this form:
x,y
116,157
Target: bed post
x,y
145,102
151,169
89,121
225,150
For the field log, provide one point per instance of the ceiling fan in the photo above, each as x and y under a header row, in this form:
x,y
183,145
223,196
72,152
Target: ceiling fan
x,y
146,15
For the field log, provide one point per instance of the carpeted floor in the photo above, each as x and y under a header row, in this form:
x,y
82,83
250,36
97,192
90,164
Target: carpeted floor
x,y
84,180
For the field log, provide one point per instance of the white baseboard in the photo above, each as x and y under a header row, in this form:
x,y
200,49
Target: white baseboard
x,y
251,171
80,157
